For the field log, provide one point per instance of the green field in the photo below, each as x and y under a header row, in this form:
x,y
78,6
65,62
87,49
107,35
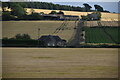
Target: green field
x,y
101,35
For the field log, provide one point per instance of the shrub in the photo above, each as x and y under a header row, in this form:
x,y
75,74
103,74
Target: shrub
x,y
22,37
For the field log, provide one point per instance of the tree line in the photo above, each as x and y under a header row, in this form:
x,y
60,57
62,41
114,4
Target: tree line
x,y
51,6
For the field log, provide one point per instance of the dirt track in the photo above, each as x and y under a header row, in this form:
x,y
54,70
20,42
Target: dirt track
x,y
75,42
60,62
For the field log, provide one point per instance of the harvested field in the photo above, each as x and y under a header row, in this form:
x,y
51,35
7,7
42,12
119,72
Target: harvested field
x,y
103,23
11,28
60,62
105,16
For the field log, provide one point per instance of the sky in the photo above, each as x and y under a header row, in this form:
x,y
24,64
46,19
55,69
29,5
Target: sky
x,y
72,0
110,5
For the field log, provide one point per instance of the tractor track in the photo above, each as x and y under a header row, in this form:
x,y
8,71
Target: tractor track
x,y
105,31
75,42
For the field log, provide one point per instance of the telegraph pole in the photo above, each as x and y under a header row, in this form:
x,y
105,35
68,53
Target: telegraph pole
x,y
38,35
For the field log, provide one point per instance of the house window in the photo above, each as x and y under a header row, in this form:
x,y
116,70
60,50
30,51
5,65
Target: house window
x,y
53,44
48,44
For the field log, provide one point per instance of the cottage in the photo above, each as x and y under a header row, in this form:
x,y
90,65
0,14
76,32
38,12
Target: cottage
x,y
93,16
51,41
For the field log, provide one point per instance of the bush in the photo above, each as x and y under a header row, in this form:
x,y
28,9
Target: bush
x,y
33,16
6,16
53,12
20,43
22,37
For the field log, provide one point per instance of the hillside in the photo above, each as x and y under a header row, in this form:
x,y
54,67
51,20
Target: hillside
x,y
105,16
11,28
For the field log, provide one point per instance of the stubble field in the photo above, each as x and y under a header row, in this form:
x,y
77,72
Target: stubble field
x,y
11,28
60,63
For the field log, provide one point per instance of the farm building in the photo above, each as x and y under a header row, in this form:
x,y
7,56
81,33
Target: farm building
x,y
52,16
51,41
70,17
93,16
60,17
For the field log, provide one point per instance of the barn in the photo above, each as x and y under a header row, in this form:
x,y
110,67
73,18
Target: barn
x,y
52,41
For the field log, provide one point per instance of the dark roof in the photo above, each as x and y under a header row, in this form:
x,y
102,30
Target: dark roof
x,y
70,16
48,38
53,15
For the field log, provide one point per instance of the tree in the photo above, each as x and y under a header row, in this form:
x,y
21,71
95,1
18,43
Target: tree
x,y
22,37
6,16
87,7
32,11
53,12
17,10
4,5
98,8
42,13
36,16
60,12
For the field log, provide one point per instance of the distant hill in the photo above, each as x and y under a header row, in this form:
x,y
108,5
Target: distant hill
x,y
105,16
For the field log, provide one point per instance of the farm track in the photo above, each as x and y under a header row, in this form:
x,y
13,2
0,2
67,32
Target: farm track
x,y
62,27
77,36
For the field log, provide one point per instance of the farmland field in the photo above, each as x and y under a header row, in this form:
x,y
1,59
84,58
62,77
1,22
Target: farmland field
x,y
103,23
93,35
98,35
105,16
60,62
11,28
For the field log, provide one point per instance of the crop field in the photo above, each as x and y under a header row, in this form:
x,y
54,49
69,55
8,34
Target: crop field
x,y
61,28
103,23
60,62
101,35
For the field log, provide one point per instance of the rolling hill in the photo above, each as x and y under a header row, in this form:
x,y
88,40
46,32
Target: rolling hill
x,y
105,16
